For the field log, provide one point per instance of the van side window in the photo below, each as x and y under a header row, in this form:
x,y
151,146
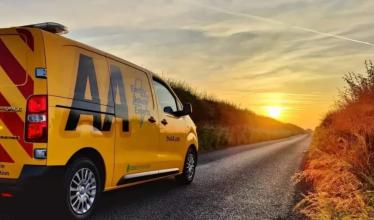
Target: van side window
x,y
165,97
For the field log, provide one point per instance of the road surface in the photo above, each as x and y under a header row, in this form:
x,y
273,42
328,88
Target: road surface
x,y
244,182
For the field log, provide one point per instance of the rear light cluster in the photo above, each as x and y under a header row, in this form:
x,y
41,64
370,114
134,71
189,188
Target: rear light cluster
x,y
6,195
36,128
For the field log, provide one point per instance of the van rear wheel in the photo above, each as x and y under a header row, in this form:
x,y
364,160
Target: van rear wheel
x,y
82,188
189,168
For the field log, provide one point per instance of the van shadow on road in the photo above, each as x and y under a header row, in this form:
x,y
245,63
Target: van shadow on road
x,y
12,209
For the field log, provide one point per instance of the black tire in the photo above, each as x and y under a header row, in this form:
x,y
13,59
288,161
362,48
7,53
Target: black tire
x,y
86,168
188,174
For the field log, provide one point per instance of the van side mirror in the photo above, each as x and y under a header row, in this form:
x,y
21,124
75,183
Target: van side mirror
x,y
187,109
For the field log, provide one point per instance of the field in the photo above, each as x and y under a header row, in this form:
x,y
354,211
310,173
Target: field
x,y
339,168
221,124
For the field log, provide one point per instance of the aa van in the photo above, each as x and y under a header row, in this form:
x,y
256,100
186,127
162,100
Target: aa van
x,y
76,121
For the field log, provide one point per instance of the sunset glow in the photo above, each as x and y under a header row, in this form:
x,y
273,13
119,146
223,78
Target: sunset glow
x,y
224,50
274,111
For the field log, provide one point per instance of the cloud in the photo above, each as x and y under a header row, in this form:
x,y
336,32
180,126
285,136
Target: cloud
x,y
249,61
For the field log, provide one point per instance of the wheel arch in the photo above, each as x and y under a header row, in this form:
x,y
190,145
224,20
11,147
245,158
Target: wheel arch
x,y
95,156
192,140
195,148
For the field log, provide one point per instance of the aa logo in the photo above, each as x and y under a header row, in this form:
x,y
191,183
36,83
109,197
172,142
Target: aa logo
x,y
86,75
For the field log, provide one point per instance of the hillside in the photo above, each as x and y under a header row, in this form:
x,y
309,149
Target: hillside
x,y
221,124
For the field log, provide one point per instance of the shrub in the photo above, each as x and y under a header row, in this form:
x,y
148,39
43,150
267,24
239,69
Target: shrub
x,y
340,162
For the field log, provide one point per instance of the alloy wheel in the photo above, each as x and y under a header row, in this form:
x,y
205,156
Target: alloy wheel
x,y
83,189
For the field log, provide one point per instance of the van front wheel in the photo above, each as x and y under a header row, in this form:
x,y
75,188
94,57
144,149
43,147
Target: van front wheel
x,y
82,188
189,168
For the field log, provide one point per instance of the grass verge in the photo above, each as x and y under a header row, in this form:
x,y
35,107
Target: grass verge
x,y
340,163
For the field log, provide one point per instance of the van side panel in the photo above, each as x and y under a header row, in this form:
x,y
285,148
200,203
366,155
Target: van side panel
x,y
79,107
137,144
21,51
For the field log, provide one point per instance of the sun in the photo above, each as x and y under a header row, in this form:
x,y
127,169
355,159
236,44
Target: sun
x,y
274,111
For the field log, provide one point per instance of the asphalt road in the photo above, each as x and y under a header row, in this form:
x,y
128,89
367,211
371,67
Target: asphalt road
x,y
244,182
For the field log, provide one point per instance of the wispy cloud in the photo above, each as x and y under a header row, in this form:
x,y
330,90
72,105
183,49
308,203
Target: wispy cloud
x,y
278,22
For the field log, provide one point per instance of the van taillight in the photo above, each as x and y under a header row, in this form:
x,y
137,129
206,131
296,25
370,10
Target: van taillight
x,y
36,128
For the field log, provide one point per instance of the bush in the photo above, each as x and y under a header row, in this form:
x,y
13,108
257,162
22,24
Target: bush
x,y
340,163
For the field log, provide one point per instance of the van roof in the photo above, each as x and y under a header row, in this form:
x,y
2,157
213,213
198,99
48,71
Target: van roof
x,y
59,29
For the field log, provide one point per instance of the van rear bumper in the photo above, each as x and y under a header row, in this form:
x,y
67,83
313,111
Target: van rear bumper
x,y
32,179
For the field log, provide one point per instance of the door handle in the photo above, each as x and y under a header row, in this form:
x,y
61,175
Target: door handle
x,y
152,119
164,122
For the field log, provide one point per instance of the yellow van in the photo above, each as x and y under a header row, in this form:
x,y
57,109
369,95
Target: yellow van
x,y
79,121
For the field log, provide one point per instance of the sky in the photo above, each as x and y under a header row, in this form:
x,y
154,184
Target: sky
x,y
283,58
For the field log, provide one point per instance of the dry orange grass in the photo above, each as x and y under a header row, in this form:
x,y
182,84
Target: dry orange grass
x,y
340,163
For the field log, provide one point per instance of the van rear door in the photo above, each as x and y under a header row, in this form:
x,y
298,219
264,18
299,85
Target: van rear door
x,y
21,52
